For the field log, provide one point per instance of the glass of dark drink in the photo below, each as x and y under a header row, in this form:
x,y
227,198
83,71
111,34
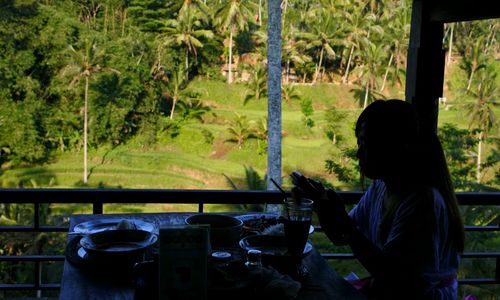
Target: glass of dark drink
x,y
297,215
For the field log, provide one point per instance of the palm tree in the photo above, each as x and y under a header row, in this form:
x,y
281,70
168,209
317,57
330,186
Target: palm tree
x,y
323,34
192,108
233,16
293,49
187,31
84,63
397,31
260,130
257,86
372,57
253,181
474,60
239,130
177,84
357,23
289,93
482,111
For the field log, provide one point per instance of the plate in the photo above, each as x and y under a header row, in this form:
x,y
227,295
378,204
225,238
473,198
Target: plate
x,y
118,242
269,245
259,221
99,225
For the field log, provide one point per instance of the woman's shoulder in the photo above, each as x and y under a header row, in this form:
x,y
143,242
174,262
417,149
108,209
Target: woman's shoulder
x,y
425,199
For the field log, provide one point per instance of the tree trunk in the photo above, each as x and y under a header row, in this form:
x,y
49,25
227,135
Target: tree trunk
x,y
124,19
367,90
469,83
85,129
187,64
346,75
491,39
450,44
106,20
260,12
287,70
318,68
113,20
396,73
479,150
230,65
386,72
174,102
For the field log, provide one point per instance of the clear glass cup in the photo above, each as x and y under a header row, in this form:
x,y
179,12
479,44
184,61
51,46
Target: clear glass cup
x,y
297,215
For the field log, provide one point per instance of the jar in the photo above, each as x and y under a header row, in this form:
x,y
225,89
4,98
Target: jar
x,y
254,259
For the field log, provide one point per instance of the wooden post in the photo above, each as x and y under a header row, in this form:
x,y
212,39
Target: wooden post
x,y
425,68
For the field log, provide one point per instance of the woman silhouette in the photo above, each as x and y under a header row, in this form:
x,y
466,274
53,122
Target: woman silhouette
x,y
406,230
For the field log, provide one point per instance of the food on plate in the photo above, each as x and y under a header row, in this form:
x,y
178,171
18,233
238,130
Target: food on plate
x,y
125,224
278,229
258,223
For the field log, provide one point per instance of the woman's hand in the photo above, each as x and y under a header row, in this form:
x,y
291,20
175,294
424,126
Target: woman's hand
x,y
329,207
333,217
306,187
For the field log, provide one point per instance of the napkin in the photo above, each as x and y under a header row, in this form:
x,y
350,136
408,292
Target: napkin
x,y
270,284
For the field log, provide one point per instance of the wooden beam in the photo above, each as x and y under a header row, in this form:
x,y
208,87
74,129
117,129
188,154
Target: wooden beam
x,y
425,67
460,10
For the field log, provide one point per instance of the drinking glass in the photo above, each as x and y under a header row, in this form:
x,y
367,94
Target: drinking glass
x,y
297,214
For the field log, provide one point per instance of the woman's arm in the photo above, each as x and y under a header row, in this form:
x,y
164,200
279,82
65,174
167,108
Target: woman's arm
x,y
398,264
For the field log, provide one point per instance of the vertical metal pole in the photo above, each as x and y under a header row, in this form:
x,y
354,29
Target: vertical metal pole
x,y
200,207
497,265
274,95
38,278
97,208
36,216
36,226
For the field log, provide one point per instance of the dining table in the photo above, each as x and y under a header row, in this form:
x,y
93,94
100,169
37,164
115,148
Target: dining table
x,y
99,282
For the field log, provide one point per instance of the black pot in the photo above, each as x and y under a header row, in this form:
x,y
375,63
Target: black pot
x,y
224,230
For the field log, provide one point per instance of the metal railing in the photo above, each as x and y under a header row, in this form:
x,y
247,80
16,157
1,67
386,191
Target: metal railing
x,y
99,197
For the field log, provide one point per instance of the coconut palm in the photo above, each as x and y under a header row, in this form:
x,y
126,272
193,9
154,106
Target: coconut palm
x,y
239,130
192,108
233,16
372,55
260,131
293,49
177,84
482,111
474,59
396,22
252,181
356,27
187,31
257,86
289,93
322,35
84,63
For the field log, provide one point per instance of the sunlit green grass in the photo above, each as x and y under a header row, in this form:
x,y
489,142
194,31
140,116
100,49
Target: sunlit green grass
x,y
188,161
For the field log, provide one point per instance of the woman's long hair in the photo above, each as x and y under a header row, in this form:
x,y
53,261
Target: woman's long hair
x,y
396,120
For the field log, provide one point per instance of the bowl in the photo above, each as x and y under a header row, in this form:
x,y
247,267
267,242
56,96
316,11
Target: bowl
x,y
224,230
119,244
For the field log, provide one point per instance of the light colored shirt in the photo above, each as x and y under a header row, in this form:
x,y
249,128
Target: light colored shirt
x,y
440,271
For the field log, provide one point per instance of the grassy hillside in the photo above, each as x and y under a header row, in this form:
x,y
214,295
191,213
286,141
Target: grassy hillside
x,y
188,161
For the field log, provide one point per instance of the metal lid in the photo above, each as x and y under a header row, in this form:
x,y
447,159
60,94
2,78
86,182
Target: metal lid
x,y
254,253
223,255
